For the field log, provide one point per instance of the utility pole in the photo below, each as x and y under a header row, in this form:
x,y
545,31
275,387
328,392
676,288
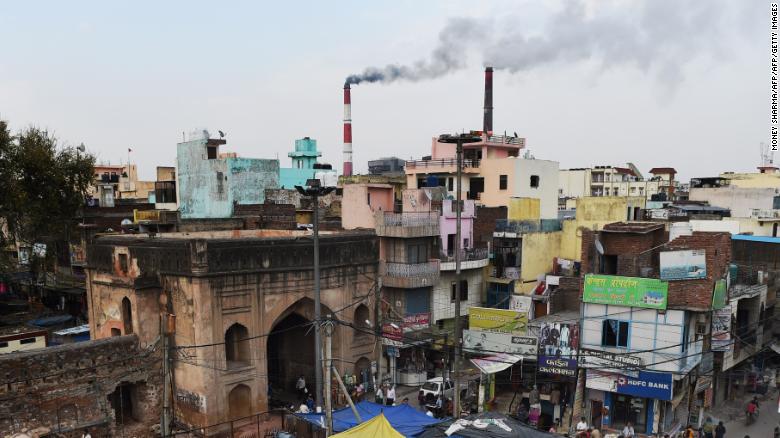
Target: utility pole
x,y
378,331
314,190
167,328
459,140
328,324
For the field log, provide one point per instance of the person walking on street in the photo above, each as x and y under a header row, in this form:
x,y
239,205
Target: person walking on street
x,y
390,399
708,429
300,387
628,431
720,430
582,426
689,433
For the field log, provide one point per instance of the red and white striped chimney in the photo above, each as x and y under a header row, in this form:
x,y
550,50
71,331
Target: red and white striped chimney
x,y
347,132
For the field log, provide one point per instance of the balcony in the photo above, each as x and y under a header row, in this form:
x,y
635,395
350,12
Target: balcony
x,y
410,275
407,225
512,228
469,259
440,165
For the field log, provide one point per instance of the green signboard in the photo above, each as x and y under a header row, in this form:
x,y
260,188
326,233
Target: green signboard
x,y
719,295
649,293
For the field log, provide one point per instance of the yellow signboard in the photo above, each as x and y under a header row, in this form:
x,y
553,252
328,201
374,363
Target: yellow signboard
x,y
498,320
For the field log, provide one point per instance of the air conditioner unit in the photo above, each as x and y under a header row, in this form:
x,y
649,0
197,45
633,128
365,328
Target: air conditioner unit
x,y
701,329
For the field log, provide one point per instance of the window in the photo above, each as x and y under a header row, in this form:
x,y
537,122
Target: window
x,y
534,181
165,191
27,341
211,152
3,344
417,253
464,291
614,333
368,199
123,262
449,184
502,182
236,345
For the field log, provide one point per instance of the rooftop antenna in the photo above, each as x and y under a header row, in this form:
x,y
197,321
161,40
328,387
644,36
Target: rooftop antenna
x,y
767,155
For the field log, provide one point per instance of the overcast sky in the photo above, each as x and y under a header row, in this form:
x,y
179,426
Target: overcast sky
x,y
682,83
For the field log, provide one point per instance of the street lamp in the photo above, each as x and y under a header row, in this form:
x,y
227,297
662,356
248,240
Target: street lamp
x,y
314,191
459,140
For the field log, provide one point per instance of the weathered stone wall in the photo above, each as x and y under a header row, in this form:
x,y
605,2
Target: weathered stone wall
x,y
68,388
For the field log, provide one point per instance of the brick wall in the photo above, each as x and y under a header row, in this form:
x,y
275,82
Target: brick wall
x,y
566,297
697,294
485,223
69,388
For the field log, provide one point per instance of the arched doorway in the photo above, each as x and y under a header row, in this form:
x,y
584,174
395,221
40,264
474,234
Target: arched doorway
x,y
363,371
239,402
362,319
237,346
127,316
291,354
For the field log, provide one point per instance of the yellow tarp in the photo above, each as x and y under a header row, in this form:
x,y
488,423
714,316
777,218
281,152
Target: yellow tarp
x,y
377,427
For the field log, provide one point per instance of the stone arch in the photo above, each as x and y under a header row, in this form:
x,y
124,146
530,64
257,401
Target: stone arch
x,y
237,348
239,402
362,318
127,316
363,370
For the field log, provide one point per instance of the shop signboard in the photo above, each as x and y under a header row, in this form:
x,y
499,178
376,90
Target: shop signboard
x,y
683,265
489,342
648,293
521,303
604,359
719,294
392,334
558,340
558,365
721,329
498,321
647,384
417,321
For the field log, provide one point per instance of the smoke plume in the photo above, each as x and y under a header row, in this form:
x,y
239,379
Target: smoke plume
x,y
656,36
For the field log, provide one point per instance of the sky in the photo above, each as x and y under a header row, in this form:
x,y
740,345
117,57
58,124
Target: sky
x,y
680,83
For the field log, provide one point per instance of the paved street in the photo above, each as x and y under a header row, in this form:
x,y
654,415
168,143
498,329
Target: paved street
x,y
761,428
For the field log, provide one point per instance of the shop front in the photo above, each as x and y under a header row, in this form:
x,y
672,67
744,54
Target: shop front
x,y
619,399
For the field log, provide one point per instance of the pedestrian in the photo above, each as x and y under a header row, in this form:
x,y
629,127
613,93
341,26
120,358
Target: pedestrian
x,y
595,433
628,431
708,428
379,396
582,426
359,392
720,430
86,434
439,406
300,387
390,399
689,433
310,403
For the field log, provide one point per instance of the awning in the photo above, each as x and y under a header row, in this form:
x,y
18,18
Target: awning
x,y
499,280
494,364
775,347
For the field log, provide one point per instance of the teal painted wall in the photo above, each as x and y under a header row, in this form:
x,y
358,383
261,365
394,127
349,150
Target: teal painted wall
x,y
207,188
303,159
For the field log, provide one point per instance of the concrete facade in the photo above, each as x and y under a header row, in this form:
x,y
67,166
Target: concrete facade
x,y
231,292
742,201
304,157
442,304
208,186
361,202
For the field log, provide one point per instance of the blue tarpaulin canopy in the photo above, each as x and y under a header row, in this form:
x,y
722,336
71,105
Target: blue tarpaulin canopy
x,y
405,419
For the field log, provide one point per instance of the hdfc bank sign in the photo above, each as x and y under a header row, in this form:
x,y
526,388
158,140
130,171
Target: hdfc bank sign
x,y
647,384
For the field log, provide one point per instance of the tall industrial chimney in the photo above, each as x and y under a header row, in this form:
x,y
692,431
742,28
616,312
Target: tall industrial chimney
x,y
487,122
347,132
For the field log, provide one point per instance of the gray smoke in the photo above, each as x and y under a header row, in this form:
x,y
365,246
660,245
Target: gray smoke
x,y
657,36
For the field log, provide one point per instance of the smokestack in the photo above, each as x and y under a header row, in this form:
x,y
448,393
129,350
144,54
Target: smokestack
x,y
487,122
347,131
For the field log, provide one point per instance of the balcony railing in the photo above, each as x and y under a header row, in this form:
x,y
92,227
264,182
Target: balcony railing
x,y
465,255
410,275
443,162
407,225
532,226
505,139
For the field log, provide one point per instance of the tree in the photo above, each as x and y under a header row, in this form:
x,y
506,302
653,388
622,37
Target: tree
x,y
44,186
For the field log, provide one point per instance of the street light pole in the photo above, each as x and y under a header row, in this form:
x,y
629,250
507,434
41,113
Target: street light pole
x,y
314,190
459,141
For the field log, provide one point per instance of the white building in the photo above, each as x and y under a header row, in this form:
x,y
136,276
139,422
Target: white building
x,y
608,181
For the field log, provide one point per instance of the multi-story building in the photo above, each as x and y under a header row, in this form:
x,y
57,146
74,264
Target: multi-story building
x,y
745,197
209,185
492,173
646,316
119,181
389,166
243,302
609,181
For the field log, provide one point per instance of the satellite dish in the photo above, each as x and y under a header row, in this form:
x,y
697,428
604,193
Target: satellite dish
x,y
599,246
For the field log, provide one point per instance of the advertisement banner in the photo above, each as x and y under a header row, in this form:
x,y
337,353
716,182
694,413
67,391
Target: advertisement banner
x,y
649,293
417,321
683,265
521,303
721,329
488,342
647,385
559,340
392,335
557,365
719,294
498,321
604,359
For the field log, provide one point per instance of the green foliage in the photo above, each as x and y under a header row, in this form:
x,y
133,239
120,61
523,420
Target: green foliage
x,y
44,186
